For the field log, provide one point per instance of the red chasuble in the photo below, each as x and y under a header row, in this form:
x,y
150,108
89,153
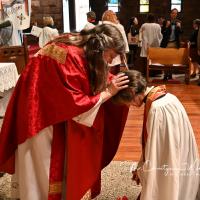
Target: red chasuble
x,y
54,88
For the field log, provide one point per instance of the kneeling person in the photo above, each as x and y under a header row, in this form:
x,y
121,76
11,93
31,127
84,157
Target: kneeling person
x,y
168,168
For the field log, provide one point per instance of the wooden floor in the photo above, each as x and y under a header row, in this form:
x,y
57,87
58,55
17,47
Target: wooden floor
x,y
130,147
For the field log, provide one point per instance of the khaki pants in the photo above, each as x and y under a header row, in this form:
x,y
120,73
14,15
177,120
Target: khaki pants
x,y
171,45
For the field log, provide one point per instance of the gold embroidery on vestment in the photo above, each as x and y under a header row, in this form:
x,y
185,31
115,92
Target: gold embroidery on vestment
x,y
55,52
55,188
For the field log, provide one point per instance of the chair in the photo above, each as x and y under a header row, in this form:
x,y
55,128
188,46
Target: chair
x,y
32,44
16,54
169,59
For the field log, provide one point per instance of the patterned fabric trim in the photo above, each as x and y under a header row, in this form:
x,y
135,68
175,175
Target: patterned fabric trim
x,y
87,195
55,52
55,188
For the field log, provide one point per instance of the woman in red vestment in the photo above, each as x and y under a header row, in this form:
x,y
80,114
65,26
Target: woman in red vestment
x,y
60,129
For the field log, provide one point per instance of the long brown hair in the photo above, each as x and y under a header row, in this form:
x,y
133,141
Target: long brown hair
x,y
94,42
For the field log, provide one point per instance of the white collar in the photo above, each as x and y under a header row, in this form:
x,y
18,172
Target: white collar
x,y
148,90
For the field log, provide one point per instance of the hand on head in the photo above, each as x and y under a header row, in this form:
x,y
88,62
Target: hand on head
x,y
118,83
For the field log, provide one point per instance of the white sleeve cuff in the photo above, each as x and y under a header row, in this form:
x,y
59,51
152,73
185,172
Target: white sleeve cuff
x,y
87,118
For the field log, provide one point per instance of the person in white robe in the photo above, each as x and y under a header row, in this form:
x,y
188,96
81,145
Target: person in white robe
x,y
110,17
169,165
48,33
150,34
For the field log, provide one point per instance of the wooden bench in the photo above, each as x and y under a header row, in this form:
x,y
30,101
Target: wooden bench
x,y
16,54
169,59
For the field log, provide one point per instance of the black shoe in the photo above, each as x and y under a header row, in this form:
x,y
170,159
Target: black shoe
x,y
167,77
193,75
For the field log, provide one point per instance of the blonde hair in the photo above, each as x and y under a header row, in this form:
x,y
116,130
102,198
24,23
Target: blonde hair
x,y
48,21
110,16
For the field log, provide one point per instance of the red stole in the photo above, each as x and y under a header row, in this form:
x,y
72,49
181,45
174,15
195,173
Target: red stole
x,y
56,172
154,94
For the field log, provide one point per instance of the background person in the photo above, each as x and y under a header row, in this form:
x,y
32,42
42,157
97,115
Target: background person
x,y
171,32
193,47
91,18
48,33
109,17
150,34
198,50
133,40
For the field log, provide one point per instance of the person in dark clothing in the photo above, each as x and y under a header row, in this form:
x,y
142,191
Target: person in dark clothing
x,y
132,32
160,21
193,47
198,48
171,31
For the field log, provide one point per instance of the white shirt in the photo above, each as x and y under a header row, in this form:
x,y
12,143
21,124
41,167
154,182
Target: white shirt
x,y
117,59
89,26
151,37
47,35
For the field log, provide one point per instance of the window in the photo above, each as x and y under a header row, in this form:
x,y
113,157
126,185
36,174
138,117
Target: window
x,y
81,8
144,6
113,5
176,4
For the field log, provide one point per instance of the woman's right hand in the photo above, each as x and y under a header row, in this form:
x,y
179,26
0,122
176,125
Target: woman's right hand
x,y
119,82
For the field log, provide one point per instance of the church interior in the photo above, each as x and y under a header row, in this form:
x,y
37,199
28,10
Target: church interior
x,y
177,67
